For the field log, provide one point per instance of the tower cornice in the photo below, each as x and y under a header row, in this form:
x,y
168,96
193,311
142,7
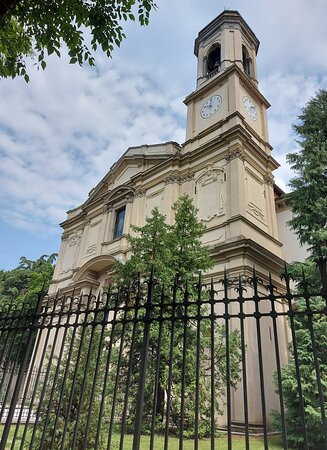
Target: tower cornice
x,y
226,17
220,77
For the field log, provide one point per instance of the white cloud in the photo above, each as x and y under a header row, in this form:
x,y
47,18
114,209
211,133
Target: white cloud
x,y
65,130
288,93
61,133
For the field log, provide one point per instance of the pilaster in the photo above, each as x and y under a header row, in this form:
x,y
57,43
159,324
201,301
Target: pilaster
x,y
105,224
128,214
236,183
271,209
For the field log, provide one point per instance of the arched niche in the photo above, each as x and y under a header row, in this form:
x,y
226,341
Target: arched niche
x,y
212,60
247,62
94,268
120,193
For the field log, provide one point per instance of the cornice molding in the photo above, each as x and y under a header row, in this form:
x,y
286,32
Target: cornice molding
x,y
217,79
139,192
269,179
179,178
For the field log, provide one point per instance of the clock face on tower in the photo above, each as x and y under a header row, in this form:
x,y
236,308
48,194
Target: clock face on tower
x,y
210,107
250,108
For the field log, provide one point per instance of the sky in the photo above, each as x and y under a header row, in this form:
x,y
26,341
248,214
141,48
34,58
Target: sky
x,y
60,133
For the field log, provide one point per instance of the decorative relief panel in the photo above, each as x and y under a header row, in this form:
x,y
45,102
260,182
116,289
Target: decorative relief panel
x,y
139,192
255,211
92,237
178,178
235,153
210,190
269,179
70,252
91,250
256,199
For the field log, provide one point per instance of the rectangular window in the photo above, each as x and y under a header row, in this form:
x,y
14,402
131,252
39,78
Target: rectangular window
x,y
119,224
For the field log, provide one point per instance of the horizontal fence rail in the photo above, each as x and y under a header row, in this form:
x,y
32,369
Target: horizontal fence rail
x,y
149,366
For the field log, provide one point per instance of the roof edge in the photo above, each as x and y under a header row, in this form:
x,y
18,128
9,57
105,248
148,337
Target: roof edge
x,y
226,16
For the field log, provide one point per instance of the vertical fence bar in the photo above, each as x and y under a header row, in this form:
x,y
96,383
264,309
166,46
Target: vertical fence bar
x,y
270,287
261,369
52,314
241,315
308,312
157,371
228,390
48,369
170,369
116,297
85,375
212,365
9,317
121,348
291,314
322,266
23,322
143,365
105,313
78,357
181,430
66,371
53,389
197,370
30,373
135,306
20,379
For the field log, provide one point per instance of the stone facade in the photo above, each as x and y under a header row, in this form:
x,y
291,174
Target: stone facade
x,y
225,165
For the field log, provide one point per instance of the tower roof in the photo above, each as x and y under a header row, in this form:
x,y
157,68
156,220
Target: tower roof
x,y
229,17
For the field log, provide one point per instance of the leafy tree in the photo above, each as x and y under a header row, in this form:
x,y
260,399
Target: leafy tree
x,y
308,198
23,283
19,289
34,29
312,411
170,250
308,201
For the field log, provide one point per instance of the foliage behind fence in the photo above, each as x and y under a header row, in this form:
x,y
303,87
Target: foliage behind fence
x,y
182,360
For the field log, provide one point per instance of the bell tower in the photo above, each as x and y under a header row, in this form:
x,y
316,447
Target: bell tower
x,y
227,132
227,91
228,150
225,41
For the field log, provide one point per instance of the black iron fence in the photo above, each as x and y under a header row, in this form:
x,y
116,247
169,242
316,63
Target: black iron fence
x,y
216,364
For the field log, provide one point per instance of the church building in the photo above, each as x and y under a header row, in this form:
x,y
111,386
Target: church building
x,y
225,165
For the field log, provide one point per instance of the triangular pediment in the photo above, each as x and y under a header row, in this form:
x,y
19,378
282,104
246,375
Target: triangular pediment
x,y
134,161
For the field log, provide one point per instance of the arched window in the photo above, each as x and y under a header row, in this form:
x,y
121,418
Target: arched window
x,y
213,60
119,223
246,61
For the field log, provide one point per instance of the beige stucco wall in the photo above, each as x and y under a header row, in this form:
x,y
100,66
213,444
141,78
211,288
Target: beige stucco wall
x,y
292,250
225,166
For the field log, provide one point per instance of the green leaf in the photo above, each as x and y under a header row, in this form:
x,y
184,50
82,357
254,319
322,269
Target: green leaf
x,y
43,26
43,64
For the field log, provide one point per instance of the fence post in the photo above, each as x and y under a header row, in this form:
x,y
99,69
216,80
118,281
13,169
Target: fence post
x,y
143,365
21,373
322,266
